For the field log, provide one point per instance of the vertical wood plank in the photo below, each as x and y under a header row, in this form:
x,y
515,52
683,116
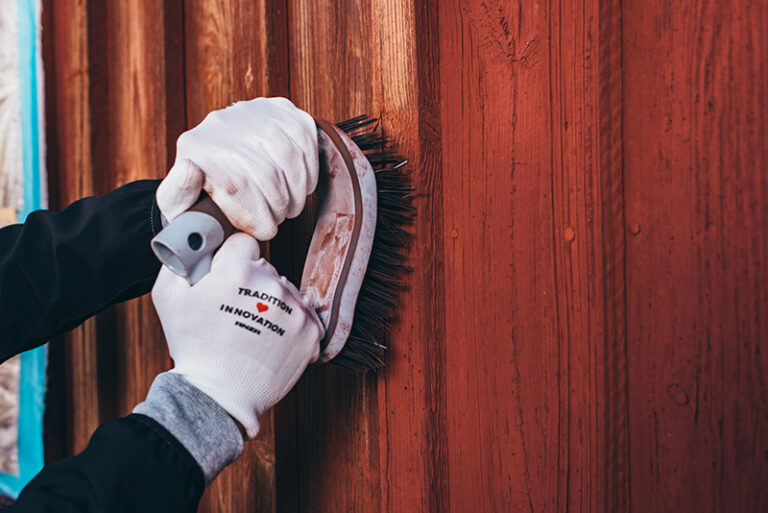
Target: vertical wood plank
x,y
380,448
533,250
55,417
328,447
588,207
411,388
237,51
135,350
695,135
613,426
71,177
506,432
109,103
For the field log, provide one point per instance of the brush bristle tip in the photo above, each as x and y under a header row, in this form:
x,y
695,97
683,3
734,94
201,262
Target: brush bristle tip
x,y
366,347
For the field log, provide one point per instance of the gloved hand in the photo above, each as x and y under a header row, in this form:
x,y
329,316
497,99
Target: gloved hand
x,y
257,160
242,334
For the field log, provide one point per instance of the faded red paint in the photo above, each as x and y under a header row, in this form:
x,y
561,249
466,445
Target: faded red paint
x,y
696,155
586,323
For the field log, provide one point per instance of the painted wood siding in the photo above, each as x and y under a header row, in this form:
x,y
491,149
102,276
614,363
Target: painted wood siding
x,y
586,326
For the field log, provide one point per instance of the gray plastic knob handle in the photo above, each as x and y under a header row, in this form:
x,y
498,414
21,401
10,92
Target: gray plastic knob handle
x,y
186,246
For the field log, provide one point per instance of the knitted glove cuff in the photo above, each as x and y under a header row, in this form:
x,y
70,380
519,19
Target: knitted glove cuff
x,y
202,426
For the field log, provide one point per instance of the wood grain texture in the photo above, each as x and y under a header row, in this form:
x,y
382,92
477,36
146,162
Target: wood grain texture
x,y
530,168
695,133
502,355
135,136
587,183
109,99
411,389
70,169
585,326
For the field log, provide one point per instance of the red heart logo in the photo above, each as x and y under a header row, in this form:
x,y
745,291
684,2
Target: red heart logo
x,y
262,307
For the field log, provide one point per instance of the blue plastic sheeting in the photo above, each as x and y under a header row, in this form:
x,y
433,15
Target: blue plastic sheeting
x,y
33,363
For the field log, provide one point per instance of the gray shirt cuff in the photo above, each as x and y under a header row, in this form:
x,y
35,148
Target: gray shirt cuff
x,y
203,427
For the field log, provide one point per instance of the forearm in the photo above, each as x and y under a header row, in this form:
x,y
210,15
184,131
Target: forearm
x,y
59,268
131,464
157,460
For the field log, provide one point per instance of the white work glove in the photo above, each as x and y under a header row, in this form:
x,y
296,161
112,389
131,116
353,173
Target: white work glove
x,y
242,334
257,160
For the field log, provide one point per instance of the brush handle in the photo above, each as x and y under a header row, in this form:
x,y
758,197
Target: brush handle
x,y
186,246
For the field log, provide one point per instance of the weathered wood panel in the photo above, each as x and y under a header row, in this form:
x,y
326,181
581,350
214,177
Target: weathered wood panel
x,y
585,325
500,294
129,85
533,255
696,155
411,390
112,116
70,177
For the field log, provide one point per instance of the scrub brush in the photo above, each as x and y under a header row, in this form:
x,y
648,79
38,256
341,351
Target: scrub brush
x,y
357,257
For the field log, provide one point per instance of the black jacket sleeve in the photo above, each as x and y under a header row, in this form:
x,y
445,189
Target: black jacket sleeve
x,y
56,270
130,465
59,268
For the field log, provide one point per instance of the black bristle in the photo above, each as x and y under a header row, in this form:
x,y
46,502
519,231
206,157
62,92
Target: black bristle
x,y
379,295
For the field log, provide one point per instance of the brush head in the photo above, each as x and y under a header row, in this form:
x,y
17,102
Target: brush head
x,y
384,279
357,257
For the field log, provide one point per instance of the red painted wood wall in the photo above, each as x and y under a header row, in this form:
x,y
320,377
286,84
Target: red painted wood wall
x,y
586,328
